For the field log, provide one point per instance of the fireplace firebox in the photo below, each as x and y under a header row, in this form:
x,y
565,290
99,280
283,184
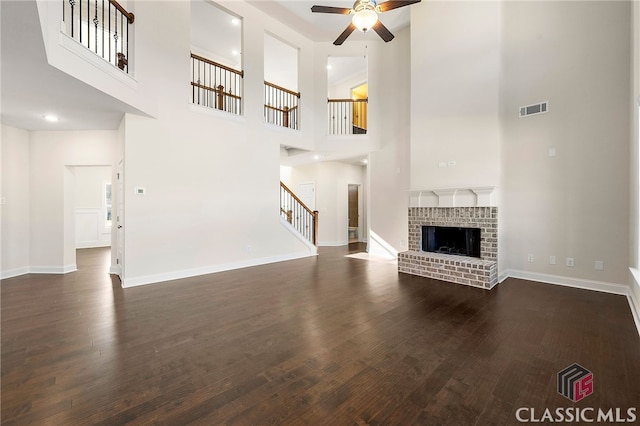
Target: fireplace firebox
x,y
451,240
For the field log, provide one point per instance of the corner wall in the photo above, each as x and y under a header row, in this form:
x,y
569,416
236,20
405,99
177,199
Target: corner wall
x,y
15,202
566,172
388,169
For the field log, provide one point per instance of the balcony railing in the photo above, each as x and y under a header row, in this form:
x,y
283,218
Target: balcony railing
x,y
347,116
102,26
215,85
281,106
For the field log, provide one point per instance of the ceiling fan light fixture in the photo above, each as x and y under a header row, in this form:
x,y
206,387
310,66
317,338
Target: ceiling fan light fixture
x,y
364,19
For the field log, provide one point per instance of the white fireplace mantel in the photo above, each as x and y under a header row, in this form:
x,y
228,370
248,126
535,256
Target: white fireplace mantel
x,y
479,196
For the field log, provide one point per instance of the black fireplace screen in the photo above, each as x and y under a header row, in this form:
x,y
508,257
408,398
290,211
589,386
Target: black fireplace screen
x,y
451,240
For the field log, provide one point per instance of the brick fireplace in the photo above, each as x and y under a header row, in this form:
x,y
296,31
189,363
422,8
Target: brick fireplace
x,y
473,271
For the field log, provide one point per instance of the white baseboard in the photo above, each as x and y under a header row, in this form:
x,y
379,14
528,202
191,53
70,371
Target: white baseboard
x,y
14,272
605,287
634,298
585,284
53,269
92,244
333,243
188,273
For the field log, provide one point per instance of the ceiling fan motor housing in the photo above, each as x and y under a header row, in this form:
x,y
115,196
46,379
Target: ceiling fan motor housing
x,y
365,14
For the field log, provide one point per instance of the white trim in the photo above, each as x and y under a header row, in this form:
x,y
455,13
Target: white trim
x,y
378,246
584,284
634,301
115,270
97,61
14,272
92,244
188,273
313,249
333,243
53,269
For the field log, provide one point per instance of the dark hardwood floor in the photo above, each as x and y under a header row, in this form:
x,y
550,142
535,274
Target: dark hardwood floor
x,y
320,341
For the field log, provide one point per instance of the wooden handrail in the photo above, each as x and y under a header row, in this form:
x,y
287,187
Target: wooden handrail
x,y
213,89
315,228
348,100
130,16
279,109
275,86
296,198
215,64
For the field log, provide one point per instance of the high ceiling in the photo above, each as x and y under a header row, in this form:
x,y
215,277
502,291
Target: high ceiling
x,y
28,80
322,26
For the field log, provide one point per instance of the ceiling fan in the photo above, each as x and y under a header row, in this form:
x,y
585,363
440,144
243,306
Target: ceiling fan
x,y
365,16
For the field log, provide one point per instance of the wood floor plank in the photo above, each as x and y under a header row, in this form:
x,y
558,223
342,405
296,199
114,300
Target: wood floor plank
x,y
325,340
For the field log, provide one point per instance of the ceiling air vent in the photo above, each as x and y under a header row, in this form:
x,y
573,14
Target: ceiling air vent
x,y
534,109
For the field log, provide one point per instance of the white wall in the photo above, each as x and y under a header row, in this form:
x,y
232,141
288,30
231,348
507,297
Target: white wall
x,y
90,206
332,181
15,207
575,204
634,252
388,167
52,194
211,179
455,76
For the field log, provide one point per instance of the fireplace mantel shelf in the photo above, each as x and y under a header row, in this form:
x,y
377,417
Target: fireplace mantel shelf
x,y
446,190
447,197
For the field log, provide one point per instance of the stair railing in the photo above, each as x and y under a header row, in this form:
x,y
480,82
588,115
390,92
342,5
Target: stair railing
x,y
215,85
302,218
102,26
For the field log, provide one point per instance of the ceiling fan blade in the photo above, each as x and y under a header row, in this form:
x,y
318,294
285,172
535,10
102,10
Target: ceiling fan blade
x,y
331,9
394,4
346,33
383,31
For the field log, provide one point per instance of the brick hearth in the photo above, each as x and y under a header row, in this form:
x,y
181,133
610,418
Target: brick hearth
x,y
478,272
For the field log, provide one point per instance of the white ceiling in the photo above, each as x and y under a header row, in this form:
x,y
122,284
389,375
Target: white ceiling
x,y
325,26
31,88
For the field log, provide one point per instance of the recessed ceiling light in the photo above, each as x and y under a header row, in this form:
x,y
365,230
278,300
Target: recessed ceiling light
x,y
51,118
316,157
329,67
235,21
365,161
235,52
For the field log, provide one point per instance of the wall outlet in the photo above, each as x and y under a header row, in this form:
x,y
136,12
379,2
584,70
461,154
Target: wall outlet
x,y
552,151
529,258
442,164
552,260
599,265
402,243
570,262
451,163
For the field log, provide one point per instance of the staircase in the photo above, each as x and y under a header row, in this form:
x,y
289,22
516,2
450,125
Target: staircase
x,y
298,215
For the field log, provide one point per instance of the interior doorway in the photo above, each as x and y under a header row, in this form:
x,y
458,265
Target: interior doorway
x,y
354,227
